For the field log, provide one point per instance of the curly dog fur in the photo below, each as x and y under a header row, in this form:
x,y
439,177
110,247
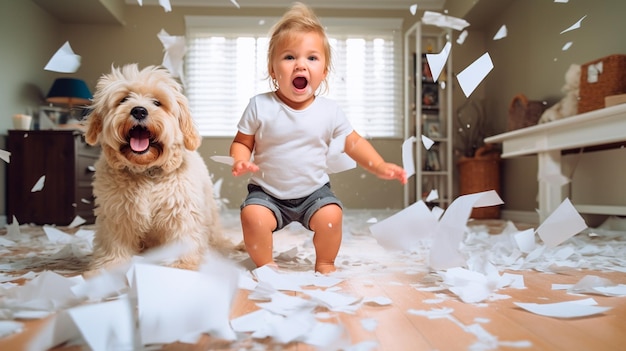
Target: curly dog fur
x,y
151,186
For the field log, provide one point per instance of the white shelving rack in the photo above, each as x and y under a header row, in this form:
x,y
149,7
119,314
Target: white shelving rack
x,y
436,173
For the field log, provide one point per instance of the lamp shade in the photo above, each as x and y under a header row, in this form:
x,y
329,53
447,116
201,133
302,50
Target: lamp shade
x,y
70,91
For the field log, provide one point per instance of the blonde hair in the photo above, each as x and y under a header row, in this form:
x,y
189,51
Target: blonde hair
x,y
298,19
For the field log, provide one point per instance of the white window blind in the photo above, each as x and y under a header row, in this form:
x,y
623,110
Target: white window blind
x,y
225,66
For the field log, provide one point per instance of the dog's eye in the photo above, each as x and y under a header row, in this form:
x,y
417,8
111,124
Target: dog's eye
x,y
123,100
156,103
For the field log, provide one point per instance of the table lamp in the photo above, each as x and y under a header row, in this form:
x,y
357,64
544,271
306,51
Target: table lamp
x,y
70,92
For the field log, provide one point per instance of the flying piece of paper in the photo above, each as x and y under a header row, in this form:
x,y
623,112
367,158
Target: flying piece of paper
x,y
5,156
502,32
575,25
39,185
427,142
337,160
461,39
444,21
227,160
175,49
407,156
436,62
64,60
444,252
473,74
562,224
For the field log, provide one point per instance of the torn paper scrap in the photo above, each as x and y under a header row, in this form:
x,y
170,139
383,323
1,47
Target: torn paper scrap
x,y
177,303
165,4
47,292
561,225
444,252
567,46
175,48
78,220
555,178
39,185
436,62
444,21
405,229
227,160
57,236
114,329
574,26
525,240
461,39
13,230
234,2
64,60
469,286
568,309
473,74
432,196
413,9
408,162
427,142
5,156
10,327
591,284
337,160
502,32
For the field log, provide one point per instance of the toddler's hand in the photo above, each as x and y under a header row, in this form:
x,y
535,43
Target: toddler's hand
x,y
243,167
391,171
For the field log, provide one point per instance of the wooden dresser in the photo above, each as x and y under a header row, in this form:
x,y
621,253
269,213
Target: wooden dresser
x,y
66,161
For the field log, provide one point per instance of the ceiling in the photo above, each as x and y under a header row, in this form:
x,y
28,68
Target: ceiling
x,y
344,4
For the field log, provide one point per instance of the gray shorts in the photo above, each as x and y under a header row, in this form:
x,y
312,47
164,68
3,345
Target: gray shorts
x,y
296,210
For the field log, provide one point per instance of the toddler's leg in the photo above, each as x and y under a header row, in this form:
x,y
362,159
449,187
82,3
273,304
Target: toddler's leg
x,y
257,223
327,225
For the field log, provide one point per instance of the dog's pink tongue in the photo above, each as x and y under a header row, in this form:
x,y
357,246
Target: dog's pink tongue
x,y
139,144
139,140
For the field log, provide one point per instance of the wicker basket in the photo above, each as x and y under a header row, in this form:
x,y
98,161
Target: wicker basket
x,y
481,173
611,80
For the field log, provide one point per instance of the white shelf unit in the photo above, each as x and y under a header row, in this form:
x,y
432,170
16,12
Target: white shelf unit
x,y
416,41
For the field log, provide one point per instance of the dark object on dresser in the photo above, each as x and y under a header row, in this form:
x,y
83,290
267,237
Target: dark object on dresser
x,y
63,157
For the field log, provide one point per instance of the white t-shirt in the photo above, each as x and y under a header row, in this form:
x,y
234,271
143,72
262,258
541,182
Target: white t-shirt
x,y
291,146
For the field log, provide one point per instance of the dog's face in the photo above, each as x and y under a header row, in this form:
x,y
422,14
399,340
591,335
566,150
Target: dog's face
x,y
141,119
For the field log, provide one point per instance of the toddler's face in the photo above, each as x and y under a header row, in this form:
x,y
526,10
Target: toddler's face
x,y
299,66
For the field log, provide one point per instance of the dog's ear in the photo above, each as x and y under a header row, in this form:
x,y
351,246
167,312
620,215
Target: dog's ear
x,y
94,127
191,137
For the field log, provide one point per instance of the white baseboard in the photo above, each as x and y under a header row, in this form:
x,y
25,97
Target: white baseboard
x,y
530,217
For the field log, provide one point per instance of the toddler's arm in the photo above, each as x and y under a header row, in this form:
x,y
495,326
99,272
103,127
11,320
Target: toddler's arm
x,y
367,157
240,151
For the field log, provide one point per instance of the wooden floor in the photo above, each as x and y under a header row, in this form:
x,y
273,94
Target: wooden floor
x,y
398,330
504,325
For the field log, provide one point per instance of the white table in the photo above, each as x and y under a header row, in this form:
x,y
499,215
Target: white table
x,y
548,140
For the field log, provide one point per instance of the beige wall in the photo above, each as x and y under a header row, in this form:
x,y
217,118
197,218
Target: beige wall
x,y
524,62
530,61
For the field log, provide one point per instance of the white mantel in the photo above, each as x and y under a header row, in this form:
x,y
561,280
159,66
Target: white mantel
x,y
548,140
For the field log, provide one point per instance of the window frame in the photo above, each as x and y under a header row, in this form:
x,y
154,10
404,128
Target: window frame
x,y
257,26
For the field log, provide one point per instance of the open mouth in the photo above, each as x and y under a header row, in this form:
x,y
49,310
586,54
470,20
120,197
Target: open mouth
x,y
139,139
300,82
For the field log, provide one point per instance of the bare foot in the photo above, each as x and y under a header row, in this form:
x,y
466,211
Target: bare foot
x,y
325,268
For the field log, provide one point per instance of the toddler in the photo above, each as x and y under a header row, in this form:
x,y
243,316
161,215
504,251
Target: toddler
x,y
289,130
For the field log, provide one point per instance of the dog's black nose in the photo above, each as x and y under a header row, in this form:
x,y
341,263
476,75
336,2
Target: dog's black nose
x,y
139,113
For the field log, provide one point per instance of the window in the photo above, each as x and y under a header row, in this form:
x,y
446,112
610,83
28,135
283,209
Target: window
x,y
226,65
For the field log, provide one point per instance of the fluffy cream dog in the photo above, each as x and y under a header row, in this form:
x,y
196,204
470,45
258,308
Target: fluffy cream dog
x,y
151,186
